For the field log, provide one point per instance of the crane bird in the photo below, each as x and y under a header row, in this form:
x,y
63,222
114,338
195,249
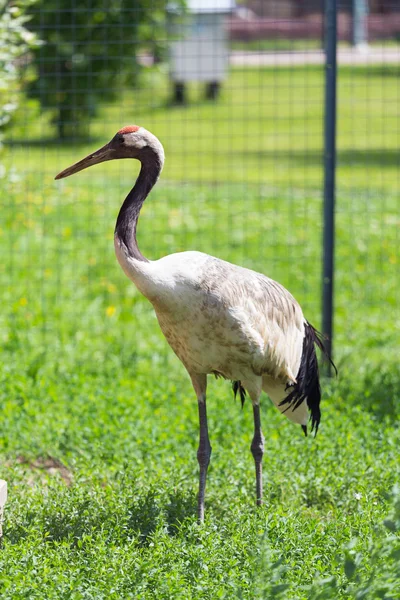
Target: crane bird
x,y
217,317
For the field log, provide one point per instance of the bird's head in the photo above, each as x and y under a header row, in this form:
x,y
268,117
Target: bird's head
x,y
129,142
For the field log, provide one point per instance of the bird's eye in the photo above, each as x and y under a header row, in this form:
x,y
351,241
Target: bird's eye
x,y
120,138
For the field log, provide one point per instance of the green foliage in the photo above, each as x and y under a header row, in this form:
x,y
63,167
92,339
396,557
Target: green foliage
x,y
89,51
370,572
98,418
100,456
15,43
366,568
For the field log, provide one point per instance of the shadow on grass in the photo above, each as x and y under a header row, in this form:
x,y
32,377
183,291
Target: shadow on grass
x,y
76,519
384,157
181,506
72,142
150,512
377,391
59,525
371,70
144,516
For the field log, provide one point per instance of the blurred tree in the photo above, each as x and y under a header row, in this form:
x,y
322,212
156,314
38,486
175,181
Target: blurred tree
x,y
89,52
15,45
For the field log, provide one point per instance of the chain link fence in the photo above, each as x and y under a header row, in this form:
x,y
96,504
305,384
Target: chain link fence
x,y
243,177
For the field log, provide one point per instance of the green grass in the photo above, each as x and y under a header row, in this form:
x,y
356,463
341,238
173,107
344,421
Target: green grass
x,y
301,45
98,419
276,45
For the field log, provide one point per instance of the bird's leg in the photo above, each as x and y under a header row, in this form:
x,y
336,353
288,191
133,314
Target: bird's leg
x,y
204,449
257,450
203,456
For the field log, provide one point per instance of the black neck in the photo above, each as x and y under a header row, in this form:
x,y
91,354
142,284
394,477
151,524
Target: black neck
x,y
125,227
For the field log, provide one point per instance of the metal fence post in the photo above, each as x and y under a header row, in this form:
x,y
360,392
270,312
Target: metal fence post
x,y
329,175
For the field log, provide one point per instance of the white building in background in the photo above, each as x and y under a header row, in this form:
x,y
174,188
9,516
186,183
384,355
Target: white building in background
x,y
199,50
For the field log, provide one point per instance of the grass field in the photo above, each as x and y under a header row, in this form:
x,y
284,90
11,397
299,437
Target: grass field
x,y
98,419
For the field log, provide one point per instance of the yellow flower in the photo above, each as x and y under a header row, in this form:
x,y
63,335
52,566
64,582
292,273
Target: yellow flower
x,y
111,287
110,310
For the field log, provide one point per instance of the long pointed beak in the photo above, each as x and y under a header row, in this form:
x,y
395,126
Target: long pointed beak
x,y
101,155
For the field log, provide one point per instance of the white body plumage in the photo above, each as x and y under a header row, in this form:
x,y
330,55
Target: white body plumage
x,y
224,319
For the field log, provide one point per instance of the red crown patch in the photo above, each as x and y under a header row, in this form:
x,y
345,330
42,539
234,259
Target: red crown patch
x,y
129,129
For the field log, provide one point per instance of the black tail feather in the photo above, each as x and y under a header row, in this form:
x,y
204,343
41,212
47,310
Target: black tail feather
x,y
319,342
307,381
237,387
